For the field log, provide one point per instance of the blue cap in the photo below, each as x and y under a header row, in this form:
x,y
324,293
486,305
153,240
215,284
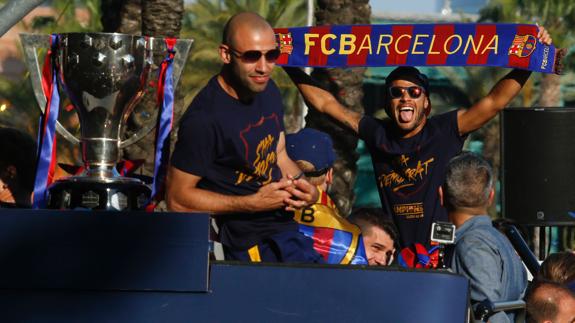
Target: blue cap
x,y
313,146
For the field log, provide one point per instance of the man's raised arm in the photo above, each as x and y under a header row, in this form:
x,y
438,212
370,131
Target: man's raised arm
x,y
500,95
322,100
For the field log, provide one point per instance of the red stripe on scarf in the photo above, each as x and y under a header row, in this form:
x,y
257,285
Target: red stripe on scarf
x,y
47,88
403,45
437,55
523,62
284,57
324,236
487,32
53,162
316,57
360,58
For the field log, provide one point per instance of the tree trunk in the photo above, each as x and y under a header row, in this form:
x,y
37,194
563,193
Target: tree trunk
x,y
122,16
346,85
550,91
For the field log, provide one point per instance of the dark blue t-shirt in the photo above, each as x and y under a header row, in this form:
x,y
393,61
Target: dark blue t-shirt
x,y
409,171
232,145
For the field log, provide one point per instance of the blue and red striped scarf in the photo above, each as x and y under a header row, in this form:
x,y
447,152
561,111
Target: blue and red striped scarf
x,y
461,44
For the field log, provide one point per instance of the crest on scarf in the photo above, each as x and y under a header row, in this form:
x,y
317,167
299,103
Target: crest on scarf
x,y
286,43
523,45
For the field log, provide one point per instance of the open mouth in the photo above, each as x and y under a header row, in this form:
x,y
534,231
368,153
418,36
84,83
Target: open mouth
x,y
406,114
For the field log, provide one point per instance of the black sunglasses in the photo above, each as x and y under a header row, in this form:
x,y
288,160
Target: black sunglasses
x,y
252,56
414,92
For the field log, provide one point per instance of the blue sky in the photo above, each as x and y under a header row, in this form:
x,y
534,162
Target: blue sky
x,y
419,6
404,6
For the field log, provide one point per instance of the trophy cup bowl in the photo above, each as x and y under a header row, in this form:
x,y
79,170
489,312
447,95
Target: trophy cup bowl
x,y
104,75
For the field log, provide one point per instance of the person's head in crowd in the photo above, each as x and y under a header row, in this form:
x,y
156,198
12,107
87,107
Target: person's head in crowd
x,y
550,302
406,99
379,234
249,52
17,167
560,268
312,150
468,187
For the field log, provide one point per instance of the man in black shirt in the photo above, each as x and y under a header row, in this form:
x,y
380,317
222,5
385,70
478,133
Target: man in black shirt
x,y
409,150
230,158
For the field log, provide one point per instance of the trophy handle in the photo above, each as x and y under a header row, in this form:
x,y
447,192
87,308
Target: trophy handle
x,y
182,48
31,43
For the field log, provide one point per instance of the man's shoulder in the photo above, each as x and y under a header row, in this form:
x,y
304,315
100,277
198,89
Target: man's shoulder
x,y
205,102
444,117
480,233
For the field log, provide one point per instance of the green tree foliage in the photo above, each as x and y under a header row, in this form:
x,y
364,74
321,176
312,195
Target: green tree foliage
x,y
557,16
204,22
67,17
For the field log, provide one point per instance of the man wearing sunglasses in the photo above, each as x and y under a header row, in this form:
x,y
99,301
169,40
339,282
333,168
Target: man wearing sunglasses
x,y
410,150
230,158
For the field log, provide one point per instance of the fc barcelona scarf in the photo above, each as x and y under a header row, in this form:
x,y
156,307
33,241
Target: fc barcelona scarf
x,y
463,44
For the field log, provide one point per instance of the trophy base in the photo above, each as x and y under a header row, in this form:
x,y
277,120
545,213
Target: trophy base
x,y
106,194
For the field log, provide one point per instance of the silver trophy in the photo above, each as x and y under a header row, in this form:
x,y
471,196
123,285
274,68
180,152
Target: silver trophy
x,y
104,75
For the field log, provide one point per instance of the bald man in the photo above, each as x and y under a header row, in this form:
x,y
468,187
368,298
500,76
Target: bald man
x,y
230,158
550,302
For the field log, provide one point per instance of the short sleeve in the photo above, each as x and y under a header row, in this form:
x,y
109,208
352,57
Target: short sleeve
x,y
447,123
195,148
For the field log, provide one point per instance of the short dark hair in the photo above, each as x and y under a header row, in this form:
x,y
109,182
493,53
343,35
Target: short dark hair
x,y
468,181
558,267
18,149
367,217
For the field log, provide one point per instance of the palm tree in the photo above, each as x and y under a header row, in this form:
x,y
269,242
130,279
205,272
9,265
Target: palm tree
x,y
346,85
558,16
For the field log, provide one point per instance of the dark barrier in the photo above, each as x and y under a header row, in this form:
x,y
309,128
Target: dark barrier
x,y
538,165
160,260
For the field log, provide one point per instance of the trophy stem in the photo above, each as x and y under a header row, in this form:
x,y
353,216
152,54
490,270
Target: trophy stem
x,y
100,156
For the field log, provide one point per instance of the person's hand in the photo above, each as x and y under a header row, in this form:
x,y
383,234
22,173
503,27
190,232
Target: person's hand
x,y
543,36
302,194
271,196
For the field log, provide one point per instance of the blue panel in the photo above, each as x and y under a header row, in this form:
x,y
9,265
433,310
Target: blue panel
x,y
103,250
262,293
60,266
337,294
